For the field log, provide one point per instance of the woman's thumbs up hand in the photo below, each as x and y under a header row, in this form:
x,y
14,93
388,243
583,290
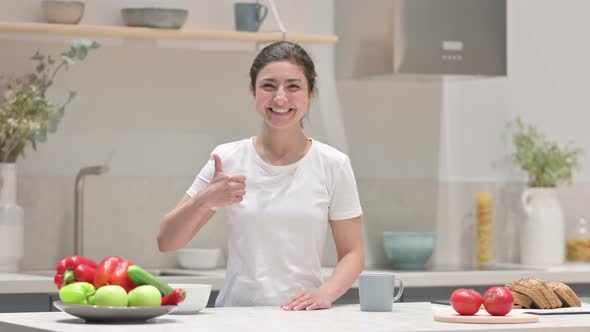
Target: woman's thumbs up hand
x,y
224,189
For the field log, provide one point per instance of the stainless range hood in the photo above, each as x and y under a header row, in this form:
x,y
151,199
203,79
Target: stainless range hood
x,y
420,37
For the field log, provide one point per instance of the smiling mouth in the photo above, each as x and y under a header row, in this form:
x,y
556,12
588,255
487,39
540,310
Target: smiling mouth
x,y
281,111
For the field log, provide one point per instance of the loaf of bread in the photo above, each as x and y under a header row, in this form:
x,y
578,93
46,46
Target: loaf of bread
x,y
535,293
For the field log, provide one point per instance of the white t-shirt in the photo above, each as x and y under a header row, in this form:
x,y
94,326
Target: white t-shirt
x,y
277,233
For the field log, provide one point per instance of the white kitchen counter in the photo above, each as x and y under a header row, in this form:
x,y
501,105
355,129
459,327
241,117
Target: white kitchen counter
x,y
13,283
405,317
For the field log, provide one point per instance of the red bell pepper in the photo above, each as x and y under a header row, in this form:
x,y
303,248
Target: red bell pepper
x,y
112,270
74,268
174,298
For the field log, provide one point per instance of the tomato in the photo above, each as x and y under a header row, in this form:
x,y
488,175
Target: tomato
x,y
498,301
466,301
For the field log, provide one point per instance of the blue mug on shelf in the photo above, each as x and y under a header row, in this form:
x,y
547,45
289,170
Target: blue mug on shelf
x,y
249,16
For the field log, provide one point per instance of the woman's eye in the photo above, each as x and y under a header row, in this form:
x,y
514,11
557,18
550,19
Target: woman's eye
x,y
267,86
294,87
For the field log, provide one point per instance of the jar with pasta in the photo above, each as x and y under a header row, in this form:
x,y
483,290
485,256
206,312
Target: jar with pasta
x,y
485,229
578,242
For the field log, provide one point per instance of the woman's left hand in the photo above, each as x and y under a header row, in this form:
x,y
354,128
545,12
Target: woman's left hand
x,y
309,300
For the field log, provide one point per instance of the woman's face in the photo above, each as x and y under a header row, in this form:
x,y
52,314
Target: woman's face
x,y
281,93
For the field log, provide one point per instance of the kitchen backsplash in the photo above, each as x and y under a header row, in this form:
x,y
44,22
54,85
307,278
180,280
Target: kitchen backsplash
x,y
121,217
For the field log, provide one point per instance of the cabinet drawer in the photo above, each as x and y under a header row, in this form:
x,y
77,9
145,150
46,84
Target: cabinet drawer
x,y
24,303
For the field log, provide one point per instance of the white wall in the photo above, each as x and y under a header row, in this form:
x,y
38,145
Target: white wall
x,y
546,85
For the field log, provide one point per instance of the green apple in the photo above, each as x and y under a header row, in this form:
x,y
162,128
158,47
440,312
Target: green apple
x,y
110,296
145,296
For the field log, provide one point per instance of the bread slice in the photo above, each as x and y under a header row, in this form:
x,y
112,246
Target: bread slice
x,y
522,300
522,286
551,297
543,297
565,293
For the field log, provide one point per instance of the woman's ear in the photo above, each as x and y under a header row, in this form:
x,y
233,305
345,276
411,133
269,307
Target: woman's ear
x,y
252,91
312,93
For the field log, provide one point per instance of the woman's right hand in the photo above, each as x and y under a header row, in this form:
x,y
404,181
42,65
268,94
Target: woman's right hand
x,y
224,189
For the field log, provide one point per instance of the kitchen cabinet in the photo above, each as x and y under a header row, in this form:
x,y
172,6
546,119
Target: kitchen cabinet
x,y
350,297
151,33
24,303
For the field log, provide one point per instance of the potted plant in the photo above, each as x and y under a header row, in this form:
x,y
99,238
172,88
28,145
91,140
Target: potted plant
x,y
26,116
547,165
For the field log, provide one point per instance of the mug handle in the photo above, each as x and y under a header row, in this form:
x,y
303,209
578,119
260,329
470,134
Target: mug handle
x,y
400,291
264,12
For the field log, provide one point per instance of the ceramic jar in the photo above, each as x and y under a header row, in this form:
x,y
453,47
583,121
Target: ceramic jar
x,y
543,234
11,221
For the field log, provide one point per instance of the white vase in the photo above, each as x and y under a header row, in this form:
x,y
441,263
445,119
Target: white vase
x,y
543,234
11,221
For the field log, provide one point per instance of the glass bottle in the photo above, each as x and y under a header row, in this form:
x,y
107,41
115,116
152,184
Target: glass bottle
x,y
578,242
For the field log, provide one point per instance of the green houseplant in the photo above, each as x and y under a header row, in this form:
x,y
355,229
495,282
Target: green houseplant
x,y
26,116
26,113
546,163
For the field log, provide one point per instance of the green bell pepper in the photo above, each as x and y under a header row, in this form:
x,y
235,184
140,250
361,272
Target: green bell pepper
x,y
78,293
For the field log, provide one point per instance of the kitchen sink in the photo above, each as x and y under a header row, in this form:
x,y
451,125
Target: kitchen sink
x,y
164,273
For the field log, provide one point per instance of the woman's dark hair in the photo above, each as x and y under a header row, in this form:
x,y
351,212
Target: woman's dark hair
x,y
284,51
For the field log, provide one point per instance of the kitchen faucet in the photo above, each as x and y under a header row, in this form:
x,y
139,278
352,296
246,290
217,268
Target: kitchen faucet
x,y
79,204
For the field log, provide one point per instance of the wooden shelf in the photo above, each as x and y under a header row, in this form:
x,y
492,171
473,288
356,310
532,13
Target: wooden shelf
x,y
151,33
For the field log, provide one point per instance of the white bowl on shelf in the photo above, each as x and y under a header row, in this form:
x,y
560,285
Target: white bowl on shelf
x,y
199,258
155,17
63,12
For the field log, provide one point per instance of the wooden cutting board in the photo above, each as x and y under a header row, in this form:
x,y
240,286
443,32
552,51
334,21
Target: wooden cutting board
x,y
511,318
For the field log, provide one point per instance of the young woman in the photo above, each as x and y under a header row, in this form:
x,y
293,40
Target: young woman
x,y
280,191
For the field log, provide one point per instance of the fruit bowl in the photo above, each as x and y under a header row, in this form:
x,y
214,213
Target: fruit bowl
x,y
101,314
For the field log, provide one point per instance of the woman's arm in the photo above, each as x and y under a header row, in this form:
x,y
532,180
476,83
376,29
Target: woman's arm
x,y
351,256
181,224
191,214
351,260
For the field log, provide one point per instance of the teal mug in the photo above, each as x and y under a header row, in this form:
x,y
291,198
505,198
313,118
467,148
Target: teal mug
x,y
376,291
249,16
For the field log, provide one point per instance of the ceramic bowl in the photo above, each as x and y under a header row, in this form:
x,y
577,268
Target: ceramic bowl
x,y
199,259
63,12
197,297
409,250
152,17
